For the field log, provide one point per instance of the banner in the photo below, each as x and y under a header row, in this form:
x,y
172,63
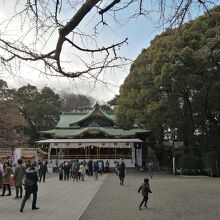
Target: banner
x,y
17,155
139,157
132,155
29,152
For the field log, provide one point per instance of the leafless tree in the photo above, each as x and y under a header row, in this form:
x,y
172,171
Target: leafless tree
x,y
64,37
12,123
71,102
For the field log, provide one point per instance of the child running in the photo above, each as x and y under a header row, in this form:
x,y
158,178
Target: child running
x,y
145,189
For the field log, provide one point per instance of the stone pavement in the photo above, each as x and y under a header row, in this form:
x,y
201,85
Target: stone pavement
x,y
58,200
172,198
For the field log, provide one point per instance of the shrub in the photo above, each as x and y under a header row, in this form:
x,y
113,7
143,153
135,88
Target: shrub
x,y
212,160
189,162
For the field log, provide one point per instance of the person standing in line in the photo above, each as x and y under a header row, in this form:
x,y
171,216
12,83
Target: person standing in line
x,y
121,172
31,187
43,171
66,170
103,166
86,167
150,169
6,179
1,174
18,177
82,171
76,170
71,168
116,167
39,163
100,166
5,165
145,189
95,170
90,170
107,166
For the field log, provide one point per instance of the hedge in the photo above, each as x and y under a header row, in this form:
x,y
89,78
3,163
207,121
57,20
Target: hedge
x,y
212,160
189,162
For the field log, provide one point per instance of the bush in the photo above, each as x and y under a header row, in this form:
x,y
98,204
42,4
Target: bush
x,y
212,160
189,162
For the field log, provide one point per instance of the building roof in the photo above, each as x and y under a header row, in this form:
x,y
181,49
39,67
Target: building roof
x,y
107,130
98,140
76,125
68,119
95,110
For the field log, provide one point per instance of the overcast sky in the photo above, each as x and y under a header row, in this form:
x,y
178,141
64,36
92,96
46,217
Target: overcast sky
x,y
140,32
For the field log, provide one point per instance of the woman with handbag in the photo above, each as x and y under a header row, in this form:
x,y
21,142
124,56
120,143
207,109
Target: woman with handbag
x,y
31,187
6,179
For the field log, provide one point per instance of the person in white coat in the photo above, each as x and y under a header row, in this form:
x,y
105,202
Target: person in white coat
x,y
82,170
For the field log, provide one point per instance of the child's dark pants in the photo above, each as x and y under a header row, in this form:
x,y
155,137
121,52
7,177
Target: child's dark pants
x,y
144,201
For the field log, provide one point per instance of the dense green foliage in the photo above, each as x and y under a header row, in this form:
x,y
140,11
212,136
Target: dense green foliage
x,y
27,110
189,162
212,160
40,108
174,85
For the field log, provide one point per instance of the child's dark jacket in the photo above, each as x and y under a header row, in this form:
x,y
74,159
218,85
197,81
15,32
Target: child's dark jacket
x,y
145,189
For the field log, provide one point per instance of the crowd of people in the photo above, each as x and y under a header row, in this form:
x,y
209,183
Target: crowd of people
x,y
27,175
77,170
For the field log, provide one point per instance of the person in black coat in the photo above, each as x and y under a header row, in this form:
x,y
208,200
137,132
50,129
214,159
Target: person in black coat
x,y
31,187
121,172
66,170
43,171
145,189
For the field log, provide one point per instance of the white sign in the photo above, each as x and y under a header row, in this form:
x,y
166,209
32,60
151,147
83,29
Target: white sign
x,y
139,157
17,155
133,155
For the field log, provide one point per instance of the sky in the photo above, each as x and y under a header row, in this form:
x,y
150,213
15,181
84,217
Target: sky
x,y
140,31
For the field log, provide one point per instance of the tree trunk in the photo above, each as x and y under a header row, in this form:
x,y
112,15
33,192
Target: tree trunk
x,y
189,124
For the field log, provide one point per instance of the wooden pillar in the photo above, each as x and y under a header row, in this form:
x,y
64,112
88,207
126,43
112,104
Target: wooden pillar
x,y
85,152
49,152
97,152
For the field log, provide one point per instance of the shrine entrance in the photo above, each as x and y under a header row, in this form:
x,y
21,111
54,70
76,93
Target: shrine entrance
x,y
96,149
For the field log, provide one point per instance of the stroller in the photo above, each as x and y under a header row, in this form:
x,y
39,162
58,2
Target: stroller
x,y
60,174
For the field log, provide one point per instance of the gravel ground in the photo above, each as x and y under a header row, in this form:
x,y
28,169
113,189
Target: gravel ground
x,y
173,197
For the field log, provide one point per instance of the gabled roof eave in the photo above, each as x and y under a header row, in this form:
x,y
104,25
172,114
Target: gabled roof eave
x,y
90,114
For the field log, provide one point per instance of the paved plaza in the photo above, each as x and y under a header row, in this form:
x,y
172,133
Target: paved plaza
x,y
173,197
58,200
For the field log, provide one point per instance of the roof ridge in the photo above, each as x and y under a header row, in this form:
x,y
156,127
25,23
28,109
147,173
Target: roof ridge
x,y
74,113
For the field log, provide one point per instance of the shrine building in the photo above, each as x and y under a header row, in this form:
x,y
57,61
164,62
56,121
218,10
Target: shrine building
x,y
93,135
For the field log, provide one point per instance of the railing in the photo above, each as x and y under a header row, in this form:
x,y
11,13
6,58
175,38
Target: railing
x,y
83,156
5,152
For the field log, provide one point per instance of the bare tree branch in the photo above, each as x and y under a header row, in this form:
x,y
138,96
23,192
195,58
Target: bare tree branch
x,y
109,7
49,29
